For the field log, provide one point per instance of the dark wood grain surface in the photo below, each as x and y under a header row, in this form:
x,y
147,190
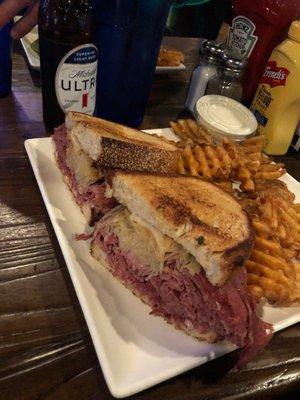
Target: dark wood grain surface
x,y
45,348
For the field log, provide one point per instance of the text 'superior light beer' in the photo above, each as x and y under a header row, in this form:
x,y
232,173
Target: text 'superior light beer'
x,y
68,59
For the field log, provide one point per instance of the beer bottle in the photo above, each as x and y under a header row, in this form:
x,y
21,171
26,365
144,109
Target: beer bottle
x,y
68,59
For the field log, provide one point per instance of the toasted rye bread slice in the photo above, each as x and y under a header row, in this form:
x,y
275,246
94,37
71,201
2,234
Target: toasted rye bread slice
x,y
99,255
200,216
113,145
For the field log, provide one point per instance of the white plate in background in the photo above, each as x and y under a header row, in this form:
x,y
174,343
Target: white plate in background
x,y
136,350
161,70
34,58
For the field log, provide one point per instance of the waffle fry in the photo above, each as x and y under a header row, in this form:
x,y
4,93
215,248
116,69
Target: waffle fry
x,y
179,131
180,167
186,128
212,162
253,142
227,161
190,162
270,273
204,170
253,145
239,166
284,219
190,133
269,174
204,136
295,297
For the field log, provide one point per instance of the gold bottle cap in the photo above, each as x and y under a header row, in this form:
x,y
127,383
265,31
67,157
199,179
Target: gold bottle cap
x,y
294,32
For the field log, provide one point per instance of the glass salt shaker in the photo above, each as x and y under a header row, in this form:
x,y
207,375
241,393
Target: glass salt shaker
x,y
228,80
210,52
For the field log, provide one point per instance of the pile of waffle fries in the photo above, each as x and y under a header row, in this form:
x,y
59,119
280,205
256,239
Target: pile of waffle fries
x,y
243,170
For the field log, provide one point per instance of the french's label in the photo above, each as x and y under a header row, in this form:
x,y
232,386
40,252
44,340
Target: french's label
x,y
241,40
264,96
263,99
75,80
261,119
274,75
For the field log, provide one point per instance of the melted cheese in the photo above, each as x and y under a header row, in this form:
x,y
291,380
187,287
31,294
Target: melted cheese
x,y
149,245
82,166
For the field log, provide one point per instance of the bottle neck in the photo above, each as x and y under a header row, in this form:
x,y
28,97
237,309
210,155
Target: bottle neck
x,y
66,21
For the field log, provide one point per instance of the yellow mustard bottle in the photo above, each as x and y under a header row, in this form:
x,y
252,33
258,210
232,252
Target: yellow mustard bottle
x,y
276,104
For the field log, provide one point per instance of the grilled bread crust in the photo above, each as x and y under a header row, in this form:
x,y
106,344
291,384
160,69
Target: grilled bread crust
x,y
204,219
136,157
113,145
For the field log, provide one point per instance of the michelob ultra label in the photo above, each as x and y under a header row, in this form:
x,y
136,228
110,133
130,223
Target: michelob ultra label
x,y
76,79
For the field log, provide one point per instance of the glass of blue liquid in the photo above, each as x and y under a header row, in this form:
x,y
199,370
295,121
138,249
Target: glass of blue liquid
x,y
5,60
128,37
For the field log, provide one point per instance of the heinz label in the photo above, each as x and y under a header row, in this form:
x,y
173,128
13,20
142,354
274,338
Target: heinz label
x,y
274,76
75,80
241,40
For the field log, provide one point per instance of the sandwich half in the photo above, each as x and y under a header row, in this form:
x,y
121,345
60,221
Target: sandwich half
x,y
179,244
86,145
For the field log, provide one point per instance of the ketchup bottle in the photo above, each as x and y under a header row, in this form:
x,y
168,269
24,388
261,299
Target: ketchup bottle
x,y
257,27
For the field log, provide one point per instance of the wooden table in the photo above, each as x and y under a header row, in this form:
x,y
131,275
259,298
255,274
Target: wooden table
x,y
45,348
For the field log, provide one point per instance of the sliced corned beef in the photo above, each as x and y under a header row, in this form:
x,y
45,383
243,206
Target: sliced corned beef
x,y
93,196
188,301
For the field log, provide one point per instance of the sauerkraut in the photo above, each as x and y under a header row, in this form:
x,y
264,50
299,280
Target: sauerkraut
x,y
148,244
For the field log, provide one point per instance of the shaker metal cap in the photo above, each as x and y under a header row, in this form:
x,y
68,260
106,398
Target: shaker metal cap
x,y
211,49
232,62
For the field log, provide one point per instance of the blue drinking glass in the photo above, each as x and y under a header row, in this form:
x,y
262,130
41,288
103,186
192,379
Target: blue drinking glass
x,y
128,36
5,60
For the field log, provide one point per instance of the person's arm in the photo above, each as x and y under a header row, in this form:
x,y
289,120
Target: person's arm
x,y
10,8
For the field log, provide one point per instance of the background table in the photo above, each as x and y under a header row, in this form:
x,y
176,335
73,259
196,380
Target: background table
x,y
45,348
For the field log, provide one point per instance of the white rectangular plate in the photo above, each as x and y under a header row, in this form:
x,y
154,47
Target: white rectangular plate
x,y
34,58
26,41
161,70
136,350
